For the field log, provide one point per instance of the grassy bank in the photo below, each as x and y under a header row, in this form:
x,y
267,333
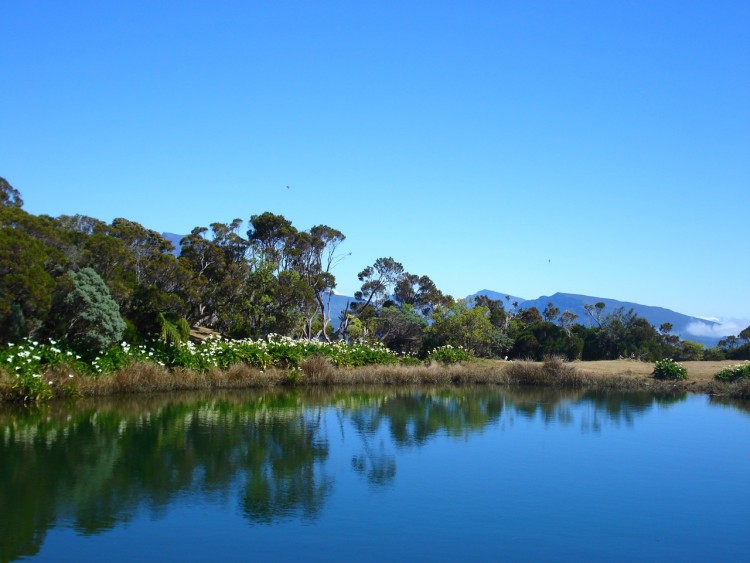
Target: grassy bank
x,y
150,377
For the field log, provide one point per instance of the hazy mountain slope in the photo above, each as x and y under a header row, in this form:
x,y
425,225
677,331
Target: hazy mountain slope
x,y
654,315
175,240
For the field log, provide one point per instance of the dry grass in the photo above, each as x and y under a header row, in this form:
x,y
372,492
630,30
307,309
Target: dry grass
x,y
621,375
697,371
144,377
318,370
552,372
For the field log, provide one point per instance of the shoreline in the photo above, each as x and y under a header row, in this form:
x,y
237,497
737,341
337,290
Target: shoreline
x,y
614,375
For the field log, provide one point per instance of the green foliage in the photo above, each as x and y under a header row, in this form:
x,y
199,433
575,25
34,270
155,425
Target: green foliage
x,y
689,351
622,334
9,196
410,361
739,371
28,363
94,317
714,354
274,280
467,328
542,339
173,328
447,354
25,284
669,369
401,330
29,357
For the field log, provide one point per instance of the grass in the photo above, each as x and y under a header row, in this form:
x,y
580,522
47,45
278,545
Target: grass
x,y
619,375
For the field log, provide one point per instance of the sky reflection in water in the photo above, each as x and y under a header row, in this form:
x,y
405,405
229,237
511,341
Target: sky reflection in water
x,y
398,474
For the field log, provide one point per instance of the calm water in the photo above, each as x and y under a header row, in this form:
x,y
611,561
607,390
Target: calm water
x,y
387,474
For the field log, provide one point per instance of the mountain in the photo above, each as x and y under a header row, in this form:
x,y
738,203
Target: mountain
x,y
575,304
564,301
175,240
338,305
507,300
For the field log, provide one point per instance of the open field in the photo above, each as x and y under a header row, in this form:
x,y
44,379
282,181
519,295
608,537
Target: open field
x,y
698,372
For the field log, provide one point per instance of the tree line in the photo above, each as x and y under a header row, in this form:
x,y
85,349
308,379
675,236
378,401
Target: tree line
x,y
93,283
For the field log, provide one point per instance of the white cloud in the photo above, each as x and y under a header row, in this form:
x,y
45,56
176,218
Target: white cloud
x,y
730,327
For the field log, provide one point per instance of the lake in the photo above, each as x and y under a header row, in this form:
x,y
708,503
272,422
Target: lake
x,y
373,474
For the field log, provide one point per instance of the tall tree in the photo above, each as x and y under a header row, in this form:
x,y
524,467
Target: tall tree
x,y
420,292
378,282
595,311
550,312
9,196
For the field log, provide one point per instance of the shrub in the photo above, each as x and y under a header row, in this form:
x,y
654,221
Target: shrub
x,y
409,361
555,372
94,316
448,355
669,369
739,371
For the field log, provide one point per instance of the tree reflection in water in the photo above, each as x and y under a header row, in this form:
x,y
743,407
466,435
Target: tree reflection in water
x,y
95,465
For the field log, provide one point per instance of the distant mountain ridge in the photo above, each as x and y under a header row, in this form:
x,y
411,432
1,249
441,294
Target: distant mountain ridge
x,y
564,301
575,303
175,240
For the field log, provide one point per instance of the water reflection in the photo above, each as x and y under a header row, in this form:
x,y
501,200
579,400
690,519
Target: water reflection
x,y
93,465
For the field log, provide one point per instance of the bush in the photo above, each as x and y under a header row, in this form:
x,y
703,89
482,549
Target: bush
x,y
740,371
448,355
669,369
410,361
94,316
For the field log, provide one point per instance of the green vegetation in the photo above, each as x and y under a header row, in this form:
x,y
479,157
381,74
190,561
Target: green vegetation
x,y
669,369
110,295
447,354
734,373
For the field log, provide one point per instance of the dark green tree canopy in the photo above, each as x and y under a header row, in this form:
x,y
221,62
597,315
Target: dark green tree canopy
x,y
9,196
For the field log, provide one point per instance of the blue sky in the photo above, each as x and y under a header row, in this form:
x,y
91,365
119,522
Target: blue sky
x,y
529,147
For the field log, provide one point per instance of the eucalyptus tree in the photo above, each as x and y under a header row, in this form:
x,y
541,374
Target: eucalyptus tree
x,y
317,254
566,321
26,286
595,311
420,292
145,247
378,281
550,312
33,257
220,273
9,196
271,237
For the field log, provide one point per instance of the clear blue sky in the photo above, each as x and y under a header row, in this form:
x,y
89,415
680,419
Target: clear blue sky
x,y
527,147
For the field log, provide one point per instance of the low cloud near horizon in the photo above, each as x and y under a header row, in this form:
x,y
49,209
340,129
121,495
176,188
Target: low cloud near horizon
x,y
731,327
